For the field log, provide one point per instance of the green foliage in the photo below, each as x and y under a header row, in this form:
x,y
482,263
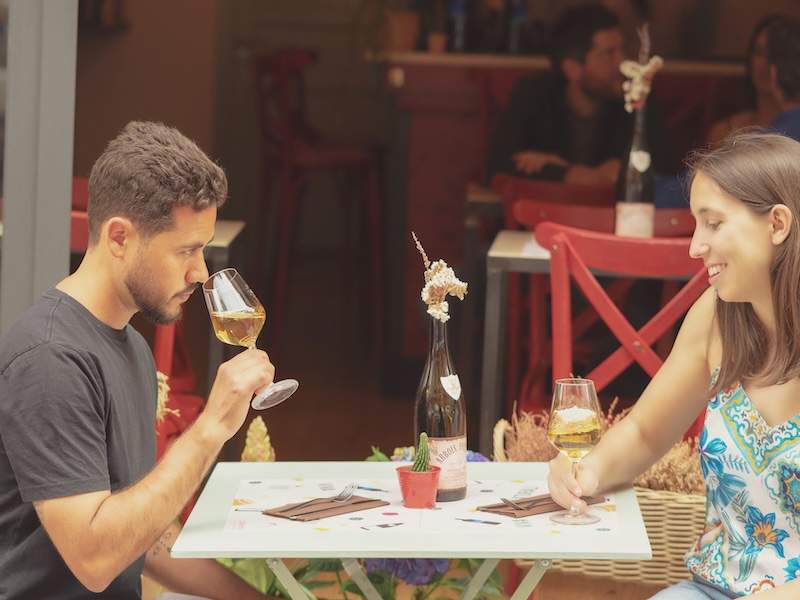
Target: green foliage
x,y
422,461
259,576
377,456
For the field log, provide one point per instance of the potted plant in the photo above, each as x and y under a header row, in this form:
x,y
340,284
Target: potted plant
x,y
418,481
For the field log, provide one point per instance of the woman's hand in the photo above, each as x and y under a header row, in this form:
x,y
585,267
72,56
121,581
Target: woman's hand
x,y
568,484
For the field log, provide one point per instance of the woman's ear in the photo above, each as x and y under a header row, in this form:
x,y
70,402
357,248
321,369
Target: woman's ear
x,y
780,223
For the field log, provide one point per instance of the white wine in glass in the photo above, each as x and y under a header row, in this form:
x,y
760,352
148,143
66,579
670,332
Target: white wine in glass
x,y
574,428
238,317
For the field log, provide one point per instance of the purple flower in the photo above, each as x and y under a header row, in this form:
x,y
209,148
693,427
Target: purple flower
x,y
414,571
476,457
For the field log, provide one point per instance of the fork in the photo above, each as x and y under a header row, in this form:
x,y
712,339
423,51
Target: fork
x,y
512,504
342,496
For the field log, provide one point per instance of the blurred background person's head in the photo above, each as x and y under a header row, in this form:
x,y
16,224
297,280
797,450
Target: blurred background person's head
x,y
783,55
587,50
758,71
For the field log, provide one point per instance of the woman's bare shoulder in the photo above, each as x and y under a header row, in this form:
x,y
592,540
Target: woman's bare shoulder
x,y
700,330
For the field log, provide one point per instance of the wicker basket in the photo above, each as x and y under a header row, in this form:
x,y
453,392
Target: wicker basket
x,y
673,522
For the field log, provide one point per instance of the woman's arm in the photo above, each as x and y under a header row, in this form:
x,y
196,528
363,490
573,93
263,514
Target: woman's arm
x,y
671,402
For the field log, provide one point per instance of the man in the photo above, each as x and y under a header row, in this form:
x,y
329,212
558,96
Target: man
x,y
83,507
783,55
570,125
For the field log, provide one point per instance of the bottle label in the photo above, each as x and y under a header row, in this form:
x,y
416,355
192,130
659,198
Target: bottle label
x,y
452,385
450,455
635,219
640,159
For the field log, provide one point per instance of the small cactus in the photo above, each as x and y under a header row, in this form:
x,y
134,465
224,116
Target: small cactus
x,y
423,458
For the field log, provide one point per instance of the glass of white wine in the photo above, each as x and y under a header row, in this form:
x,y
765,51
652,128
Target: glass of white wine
x,y
574,429
237,317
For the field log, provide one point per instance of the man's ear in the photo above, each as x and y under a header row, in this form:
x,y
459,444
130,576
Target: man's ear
x,y
780,223
119,235
572,69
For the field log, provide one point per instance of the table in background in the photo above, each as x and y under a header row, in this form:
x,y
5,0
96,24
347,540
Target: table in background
x,y
511,252
205,536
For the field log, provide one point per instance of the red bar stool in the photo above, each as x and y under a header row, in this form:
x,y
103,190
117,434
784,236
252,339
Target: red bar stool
x,y
292,152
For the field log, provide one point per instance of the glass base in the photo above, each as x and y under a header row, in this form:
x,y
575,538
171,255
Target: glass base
x,y
570,518
274,394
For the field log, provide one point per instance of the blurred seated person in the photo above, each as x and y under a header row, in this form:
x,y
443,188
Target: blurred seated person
x,y
765,105
783,55
570,124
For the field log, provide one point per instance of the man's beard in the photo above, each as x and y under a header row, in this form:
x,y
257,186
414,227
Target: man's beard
x,y
140,286
601,92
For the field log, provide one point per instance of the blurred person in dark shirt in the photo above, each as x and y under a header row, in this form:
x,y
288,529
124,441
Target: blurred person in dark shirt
x,y
783,55
570,124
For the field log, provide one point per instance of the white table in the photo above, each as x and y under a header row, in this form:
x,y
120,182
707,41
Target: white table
x,y
205,534
511,252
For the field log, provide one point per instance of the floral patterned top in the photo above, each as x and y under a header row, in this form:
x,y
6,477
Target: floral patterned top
x,y
751,539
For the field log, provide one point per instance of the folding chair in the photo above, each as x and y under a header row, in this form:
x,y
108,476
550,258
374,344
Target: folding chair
x,y
574,252
529,213
513,189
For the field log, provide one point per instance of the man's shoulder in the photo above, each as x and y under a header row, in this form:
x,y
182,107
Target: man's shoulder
x,y
41,329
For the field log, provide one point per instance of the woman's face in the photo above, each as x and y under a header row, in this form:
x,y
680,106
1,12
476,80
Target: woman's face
x,y
759,67
734,243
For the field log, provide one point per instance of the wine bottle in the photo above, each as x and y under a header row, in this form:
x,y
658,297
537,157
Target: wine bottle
x,y
457,17
635,213
519,17
440,412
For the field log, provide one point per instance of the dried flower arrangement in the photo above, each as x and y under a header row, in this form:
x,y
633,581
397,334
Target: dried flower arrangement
x,y
440,281
640,74
162,398
525,439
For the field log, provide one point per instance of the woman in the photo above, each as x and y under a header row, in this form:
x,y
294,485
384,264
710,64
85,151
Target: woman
x,y
764,104
738,356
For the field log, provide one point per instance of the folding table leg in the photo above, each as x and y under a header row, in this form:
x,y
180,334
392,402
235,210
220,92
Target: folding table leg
x,y
357,574
480,577
286,578
530,580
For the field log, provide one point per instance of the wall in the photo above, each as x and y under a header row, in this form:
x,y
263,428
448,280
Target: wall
x,y
345,101
161,68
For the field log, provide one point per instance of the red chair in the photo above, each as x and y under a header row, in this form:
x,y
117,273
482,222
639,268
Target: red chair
x,y
677,222
292,152
512,189
574,252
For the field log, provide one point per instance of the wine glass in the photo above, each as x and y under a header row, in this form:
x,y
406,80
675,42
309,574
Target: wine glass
x,y
237,317
574,429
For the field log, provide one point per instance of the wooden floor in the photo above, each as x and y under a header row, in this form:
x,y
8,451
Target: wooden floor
x,y
339,411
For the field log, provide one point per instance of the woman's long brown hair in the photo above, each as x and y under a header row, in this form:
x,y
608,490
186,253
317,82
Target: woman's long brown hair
x,y
761,170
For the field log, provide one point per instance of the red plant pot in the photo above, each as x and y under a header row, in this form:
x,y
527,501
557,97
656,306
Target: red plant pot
x,y
418,488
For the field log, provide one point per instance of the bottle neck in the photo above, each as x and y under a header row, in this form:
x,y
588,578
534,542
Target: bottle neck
x,y
639,140
439,353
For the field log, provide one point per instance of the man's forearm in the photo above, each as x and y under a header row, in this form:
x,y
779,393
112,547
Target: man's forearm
x,y
129,522
200,577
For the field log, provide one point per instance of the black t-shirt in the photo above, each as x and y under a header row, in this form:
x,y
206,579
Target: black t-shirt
x,y
77,415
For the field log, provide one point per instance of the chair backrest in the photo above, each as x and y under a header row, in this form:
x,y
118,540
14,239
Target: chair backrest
x,y
280,92
78,231
575,253
553,192
80,193
669,222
